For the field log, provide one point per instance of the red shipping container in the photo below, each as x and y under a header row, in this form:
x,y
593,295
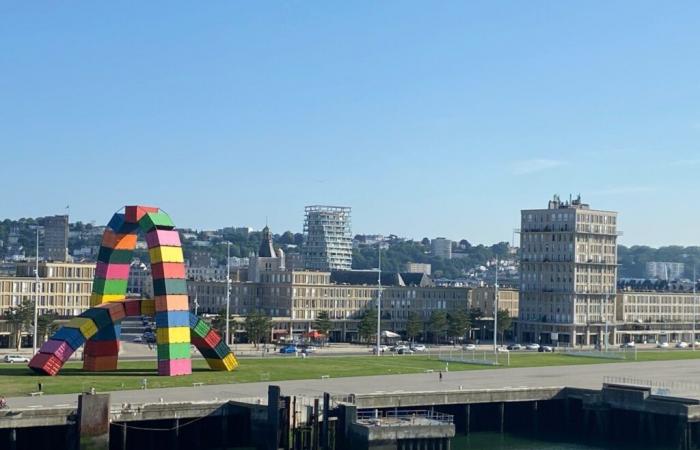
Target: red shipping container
x,y
132,308
102,348
168,270
134,213
45,363
116,310
100,363
212,338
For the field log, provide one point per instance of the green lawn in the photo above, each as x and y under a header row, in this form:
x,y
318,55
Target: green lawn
x,y
17,379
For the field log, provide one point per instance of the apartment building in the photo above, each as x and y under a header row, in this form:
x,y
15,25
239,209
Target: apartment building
x,y
662,270
484,297
327,238
413,267
64,289
661,316
55,238
568,273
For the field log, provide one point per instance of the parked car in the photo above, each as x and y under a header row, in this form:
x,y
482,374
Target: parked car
x,y
469,347
289,349
405,351
308,349
629,344
532,346
502,349
515,347
137,340
545,349
662,345
400,347
418,347
681,344
16,359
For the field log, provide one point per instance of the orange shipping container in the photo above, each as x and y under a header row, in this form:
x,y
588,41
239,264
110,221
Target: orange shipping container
x,y
172,303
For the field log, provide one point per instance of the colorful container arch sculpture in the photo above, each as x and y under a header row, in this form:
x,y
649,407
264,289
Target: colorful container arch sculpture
x,y
99,327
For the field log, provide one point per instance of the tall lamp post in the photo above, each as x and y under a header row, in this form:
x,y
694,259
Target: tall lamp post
x,y
228,290
37,288
495,312
379,303
694,307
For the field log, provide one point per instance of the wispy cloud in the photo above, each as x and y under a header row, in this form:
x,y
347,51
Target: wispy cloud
x,y
535,165
685,163
622,190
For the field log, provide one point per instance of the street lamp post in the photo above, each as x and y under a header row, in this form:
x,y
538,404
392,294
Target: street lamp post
x,y
495,312
228,290
379,303
37,288
694,307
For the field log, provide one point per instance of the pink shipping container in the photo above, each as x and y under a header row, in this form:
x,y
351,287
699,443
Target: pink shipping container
x,y
175,367
169,238
112,271
60,349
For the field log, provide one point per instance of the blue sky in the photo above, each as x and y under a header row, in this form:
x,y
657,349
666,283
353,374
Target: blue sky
x,y
428,118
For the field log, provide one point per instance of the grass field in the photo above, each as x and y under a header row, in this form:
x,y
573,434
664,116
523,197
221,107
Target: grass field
x,y
17,379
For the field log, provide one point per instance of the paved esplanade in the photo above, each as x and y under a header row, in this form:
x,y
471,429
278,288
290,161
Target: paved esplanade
x,y
583,376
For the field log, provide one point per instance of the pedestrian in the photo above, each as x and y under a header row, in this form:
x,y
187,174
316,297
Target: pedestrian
x,y
40,386
441,376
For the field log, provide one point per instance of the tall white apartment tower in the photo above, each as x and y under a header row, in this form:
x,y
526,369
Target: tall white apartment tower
x,y
568,274
327,238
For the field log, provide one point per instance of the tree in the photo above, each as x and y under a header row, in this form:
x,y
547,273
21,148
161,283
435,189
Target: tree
x,y
46,324
504,322
414,325
437,324
323,323
368,324
20,318
457,324
257,326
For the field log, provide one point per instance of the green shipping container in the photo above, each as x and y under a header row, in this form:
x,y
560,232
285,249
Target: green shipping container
x,y
174,351
102,286
201,329
158,220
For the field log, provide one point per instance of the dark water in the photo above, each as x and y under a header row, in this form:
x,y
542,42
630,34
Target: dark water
x,y
506,441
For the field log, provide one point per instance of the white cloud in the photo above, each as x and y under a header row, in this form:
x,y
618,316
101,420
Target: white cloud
x,y
535,165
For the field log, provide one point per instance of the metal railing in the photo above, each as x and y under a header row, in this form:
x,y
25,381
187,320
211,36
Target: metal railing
x,y
657,387
402,417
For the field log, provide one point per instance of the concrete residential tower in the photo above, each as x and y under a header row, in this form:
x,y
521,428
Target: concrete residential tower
x,y
568,273
327,238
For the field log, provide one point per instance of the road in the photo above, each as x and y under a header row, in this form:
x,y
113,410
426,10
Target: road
x,y
583,376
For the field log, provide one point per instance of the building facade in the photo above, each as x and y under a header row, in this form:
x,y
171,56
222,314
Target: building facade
x,y
667,271
413,267
568,273
327,238
655,316
64,288
484,297
441,248
55,238
294,299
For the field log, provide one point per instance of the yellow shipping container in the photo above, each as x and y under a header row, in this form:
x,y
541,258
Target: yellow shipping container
x,y
98,299
165,254
227,364
86,326
173,335
148,307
